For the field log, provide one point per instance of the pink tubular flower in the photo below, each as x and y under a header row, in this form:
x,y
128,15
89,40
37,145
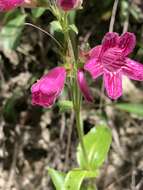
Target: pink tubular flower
x,y
68,5
110,60
48,88
84,86
6,5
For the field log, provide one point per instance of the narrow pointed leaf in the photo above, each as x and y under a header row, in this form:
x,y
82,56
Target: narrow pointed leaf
x,y
136,109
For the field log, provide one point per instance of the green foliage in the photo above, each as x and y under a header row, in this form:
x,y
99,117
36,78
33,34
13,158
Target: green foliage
x,y
72,17
56,30
57,178
37,12
11,31
75,178
73,28
65,105
97,143
9,112
136,109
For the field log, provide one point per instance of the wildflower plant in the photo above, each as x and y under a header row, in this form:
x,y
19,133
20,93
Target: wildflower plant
x,y
109,59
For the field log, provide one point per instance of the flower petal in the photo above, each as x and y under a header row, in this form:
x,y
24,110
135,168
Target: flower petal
x,y
43,99
55,72
110,40
95,52
94,67
84,86
35,87
133,69
47,100
127,42
113,84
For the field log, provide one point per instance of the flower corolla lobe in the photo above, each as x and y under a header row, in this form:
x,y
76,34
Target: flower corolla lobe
x,y
110,60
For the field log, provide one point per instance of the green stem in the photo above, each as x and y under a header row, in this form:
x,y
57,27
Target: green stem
x,y
81,134
76,96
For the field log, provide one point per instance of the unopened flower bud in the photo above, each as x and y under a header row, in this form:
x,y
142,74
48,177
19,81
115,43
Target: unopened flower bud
x,y
68,5
46,90
6,5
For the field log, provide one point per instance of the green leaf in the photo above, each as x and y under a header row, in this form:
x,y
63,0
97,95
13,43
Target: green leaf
x,y
73,28
37,12
97,143
131,108
9,111
65,105
56,30
74,178
11,31
57,178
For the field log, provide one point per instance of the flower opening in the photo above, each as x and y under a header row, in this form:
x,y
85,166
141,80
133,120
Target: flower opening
x,y
110,60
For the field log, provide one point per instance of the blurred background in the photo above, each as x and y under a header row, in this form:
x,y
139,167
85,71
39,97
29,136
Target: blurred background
x,y
32,138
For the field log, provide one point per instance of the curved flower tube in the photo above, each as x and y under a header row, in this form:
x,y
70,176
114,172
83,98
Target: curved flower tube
x,y
6,5
110,60
84,86
46,90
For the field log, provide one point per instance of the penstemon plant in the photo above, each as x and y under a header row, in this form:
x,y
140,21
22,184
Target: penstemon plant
x,y
109,59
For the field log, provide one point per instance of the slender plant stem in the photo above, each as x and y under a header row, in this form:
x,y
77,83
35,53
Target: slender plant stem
x,y
77,105
70,126
44,31
114,10
80,134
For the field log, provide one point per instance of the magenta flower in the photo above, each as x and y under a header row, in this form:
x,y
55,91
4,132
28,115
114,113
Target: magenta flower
x,y
68,5
46,90
84,86
6,5
110,60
